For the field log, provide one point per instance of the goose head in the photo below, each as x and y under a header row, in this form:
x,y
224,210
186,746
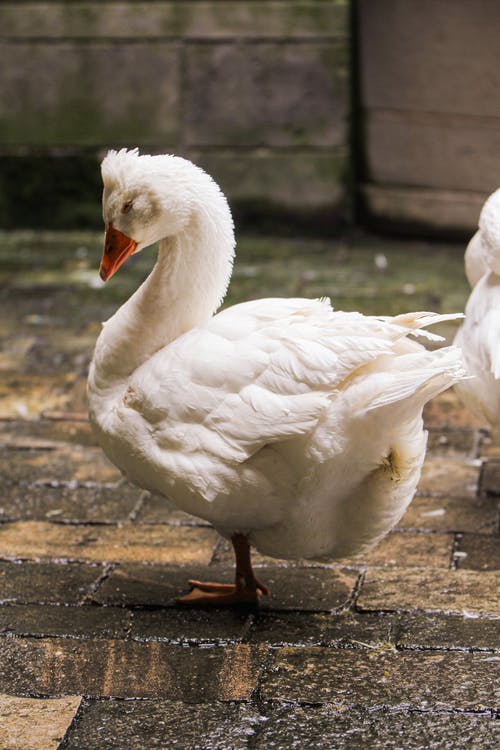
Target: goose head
x,y
151,198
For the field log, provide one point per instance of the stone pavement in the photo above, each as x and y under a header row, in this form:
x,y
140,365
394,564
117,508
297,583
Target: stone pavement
x,y
399,649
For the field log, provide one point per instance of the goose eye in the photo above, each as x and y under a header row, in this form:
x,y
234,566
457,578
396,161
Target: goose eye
x,y
126,207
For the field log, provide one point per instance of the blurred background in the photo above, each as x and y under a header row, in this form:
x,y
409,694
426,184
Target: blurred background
x,y
311,115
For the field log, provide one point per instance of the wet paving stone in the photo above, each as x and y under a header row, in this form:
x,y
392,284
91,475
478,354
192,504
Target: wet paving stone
x,y
98,504
458,591
136,725
189,626
98,543
37,724
384,678
329,727
476,552
476,514
128,669
38,620
305,589
43,582
419,630
300,629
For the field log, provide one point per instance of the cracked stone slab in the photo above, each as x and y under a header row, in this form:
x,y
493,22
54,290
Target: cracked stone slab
x,y
129,669
44,582
161,724
35,723
460,591
181,545
384,677
186,625
316,728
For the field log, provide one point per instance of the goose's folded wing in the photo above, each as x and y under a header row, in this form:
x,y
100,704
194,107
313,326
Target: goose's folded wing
x,y
258,373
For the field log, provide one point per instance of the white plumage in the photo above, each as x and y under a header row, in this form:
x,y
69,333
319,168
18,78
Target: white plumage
x,y
280,421
483,251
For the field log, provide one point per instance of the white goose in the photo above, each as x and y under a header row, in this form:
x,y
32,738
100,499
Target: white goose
x,y
286,425
479,335
484,246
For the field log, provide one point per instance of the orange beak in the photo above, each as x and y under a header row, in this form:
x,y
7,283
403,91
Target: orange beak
x,y
117,248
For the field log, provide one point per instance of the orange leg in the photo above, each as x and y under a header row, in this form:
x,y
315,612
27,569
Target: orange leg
x,y
246,589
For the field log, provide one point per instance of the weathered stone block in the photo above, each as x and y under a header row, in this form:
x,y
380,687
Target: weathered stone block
x,y
266,94
413,55
152,20
382,677
88,94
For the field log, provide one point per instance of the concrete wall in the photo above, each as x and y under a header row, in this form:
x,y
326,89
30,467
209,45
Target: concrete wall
x,y
255,91
429,110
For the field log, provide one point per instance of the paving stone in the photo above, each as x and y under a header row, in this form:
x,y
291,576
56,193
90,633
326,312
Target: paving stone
x,y
477,552
490,478
58,583
128,669
99,504
157,509
407,549
28,395
477,514
448,478
127,543
383,677
31,433
428,631
45,620
37,724
460,591
301,629
456,443
315,728
136,725
186,625
70,464
314,589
